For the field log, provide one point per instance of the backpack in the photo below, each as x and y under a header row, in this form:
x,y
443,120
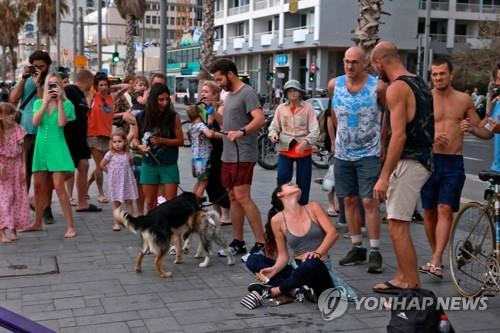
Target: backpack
x,y
415,320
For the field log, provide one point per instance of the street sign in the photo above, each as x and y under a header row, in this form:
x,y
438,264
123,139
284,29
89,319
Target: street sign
x,y
313,68
293,7
81,61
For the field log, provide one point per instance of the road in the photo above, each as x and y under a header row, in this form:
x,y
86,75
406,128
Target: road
x,y
478,155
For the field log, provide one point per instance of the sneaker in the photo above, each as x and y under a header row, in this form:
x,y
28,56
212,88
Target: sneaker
x,y
48,218
172,250
236,247
257,248
374,262
356,256
417,217
263,289
305,292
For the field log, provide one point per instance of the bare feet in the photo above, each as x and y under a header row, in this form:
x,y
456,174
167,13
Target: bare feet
x,y
13,235
32,227
4,239
70,233
102,199
116,227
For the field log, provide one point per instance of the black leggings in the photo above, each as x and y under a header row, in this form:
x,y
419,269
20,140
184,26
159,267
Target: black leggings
x,y
312,273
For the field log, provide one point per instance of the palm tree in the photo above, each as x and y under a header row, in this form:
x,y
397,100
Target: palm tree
x,y
46,18
366,33
130,11
14,15
207,42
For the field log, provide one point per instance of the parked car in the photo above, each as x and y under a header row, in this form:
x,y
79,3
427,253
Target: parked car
x,y
318,104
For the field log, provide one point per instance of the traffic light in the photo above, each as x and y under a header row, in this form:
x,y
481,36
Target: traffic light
x,y
270,76
116,57
312,77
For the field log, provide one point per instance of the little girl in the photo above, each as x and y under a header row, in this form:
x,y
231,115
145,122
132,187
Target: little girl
x,y
14,206
200,148
121,182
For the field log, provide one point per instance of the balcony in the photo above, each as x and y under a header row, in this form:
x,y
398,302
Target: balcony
x,y
477,8
264,38
474,42
299,33
238,10
238,41
263,4
219,14
438,38
435,5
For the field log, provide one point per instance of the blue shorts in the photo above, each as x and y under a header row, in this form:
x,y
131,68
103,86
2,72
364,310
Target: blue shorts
x,y
445,184
356,178
200,168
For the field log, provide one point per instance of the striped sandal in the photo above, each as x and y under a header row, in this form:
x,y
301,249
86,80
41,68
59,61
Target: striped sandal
x,y
252,300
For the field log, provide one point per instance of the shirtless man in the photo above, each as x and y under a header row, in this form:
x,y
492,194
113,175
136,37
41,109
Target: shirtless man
x,y
441,193
408,160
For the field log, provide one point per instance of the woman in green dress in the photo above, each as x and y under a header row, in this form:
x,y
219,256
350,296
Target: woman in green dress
x,y
51,159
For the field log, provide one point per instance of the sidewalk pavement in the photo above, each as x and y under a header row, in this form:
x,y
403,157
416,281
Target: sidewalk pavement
x,y
90,284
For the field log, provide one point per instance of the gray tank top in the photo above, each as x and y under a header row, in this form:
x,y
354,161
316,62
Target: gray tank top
x,y
307,243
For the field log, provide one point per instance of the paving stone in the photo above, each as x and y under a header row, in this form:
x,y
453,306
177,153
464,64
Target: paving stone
x,y
52,324
128,303
49,306
135,323
67,322
58,314
102,328
139,330
155,313
107,318
69,303
89,311
52,295
159,325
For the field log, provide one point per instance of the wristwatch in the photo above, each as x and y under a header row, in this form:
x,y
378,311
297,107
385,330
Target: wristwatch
x,y
243,129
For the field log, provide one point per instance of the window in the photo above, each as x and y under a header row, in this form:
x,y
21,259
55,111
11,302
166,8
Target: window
x,y
190,22
154,20
172,8
148,19
171,34
172,21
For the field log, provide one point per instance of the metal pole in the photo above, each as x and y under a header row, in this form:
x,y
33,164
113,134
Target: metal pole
x,y
313,88
143,42
82,33
163,37
99,35
75,36
58,32
419,53
427,34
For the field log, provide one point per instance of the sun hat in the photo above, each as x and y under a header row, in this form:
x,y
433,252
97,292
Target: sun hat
x,y
293,84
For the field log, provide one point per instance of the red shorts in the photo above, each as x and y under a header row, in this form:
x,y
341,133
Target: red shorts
x,y
236,174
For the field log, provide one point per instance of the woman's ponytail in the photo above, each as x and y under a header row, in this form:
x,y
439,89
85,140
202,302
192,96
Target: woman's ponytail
x,y
270,241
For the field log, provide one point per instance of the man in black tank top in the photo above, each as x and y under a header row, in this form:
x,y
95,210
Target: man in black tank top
x,y
408,160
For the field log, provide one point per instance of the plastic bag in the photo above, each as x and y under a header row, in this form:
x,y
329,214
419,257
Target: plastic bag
x,y
329,179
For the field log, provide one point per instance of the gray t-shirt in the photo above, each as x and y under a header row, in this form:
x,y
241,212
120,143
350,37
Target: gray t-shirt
x,y
237,108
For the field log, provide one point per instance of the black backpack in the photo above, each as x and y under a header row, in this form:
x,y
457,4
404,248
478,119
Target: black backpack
x,y
423,320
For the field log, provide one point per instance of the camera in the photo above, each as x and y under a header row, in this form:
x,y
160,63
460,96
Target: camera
x,y
32,69
52,86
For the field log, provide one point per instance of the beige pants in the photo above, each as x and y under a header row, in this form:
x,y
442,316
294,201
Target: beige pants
x,y
404,189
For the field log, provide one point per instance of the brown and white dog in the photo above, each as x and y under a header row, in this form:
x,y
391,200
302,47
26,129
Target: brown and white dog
x,y
178,217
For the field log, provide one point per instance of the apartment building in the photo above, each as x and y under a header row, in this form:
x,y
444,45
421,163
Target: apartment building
x,y
263,36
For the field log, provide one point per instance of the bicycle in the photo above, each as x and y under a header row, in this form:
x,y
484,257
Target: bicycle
x,y
186,125
474,250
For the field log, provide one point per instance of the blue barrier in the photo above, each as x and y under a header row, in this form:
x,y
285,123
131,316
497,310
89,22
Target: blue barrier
x,y
19,324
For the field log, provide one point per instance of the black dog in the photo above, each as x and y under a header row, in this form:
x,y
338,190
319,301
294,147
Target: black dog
x,y
175,217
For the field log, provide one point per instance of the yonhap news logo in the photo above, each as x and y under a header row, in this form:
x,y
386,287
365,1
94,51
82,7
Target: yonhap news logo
x,y
333,303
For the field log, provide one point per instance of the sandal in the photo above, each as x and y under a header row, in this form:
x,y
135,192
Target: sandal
x,y
103,200
73,202
332,213
116,227
280,300
433,271
391,289
424,268
252,301
90,209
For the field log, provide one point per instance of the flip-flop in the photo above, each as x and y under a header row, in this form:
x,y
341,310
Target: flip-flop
x,y
332,213
391,289
226,223
103,201
433,270
424,268
90,209
280,300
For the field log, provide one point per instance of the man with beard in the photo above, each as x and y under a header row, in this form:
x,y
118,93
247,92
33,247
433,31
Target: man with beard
x,y
29,88
408,160
241,119
358,100
441,193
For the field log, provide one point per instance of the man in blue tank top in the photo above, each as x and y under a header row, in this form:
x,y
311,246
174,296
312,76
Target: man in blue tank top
x,y
358,100
407,164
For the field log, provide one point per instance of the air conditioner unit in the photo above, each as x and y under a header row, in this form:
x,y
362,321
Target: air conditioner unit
x,y
238,43
266,39
299,35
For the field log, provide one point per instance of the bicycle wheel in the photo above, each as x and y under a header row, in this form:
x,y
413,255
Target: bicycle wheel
x,y
320,157
471,243
268,157
186,124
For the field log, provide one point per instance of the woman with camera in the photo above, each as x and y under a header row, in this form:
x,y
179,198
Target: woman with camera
x,y
51,154
158,135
